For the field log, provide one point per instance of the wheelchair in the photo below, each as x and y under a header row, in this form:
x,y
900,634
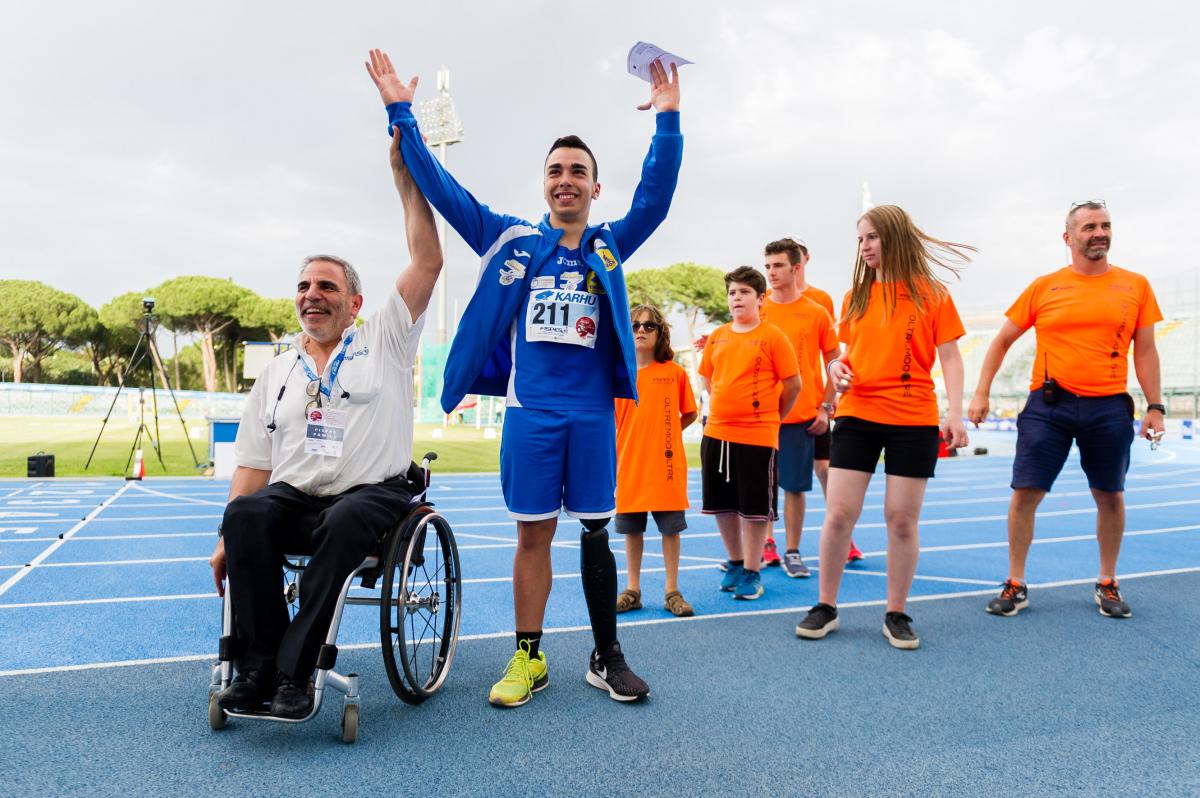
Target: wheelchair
x,y
419,596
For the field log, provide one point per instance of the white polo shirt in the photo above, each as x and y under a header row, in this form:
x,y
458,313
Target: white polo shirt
x,y
377,373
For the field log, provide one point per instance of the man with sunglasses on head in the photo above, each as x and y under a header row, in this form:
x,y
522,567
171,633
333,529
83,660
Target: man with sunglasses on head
x,y
548,327
1086,316
322,453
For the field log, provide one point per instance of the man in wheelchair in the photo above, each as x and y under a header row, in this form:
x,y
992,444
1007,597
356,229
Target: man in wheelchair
x,y
323,454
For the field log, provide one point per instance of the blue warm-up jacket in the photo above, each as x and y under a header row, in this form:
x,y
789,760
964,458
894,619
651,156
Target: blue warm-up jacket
x,y
513,250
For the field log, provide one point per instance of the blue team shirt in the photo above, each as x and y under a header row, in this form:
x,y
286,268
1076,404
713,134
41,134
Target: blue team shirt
x,y
560,376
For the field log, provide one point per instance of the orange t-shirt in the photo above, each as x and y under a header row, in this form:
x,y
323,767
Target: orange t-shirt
x,y
809,329
1084,327
744,371
820,297
651,464
891,355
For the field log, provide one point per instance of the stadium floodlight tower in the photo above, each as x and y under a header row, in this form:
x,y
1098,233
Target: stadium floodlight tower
x,y
442,127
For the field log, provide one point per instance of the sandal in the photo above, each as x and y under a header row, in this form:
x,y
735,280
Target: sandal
x,y
677,605
629,600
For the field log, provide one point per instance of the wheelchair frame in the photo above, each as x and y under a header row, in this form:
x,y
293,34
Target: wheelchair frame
x,y
402,563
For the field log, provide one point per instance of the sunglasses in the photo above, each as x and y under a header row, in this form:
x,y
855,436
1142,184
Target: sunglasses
x,y
648,326
1082,203
313,391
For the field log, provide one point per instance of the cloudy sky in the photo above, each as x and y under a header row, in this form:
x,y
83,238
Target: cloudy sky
x,y
142,141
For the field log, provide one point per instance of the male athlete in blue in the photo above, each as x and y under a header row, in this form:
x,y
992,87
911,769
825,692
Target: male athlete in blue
x,y
548,327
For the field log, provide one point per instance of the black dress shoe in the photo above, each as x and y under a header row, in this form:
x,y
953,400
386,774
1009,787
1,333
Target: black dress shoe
x,y
291,700
248,691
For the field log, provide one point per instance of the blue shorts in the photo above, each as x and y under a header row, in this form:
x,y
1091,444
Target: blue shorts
x,y
1100,425
796,450
552,460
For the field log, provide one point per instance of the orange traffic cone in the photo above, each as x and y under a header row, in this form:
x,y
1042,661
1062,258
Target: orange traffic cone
x,y
139,465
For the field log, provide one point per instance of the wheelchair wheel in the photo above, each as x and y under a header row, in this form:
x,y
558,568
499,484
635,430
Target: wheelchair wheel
x,y
292,571
349,723
419,605
216,715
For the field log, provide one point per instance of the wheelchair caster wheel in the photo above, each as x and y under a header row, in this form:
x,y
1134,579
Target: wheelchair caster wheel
x,y
216,715
349,723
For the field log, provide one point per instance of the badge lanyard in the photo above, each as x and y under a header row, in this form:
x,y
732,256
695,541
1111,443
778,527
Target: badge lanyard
x,y
333,368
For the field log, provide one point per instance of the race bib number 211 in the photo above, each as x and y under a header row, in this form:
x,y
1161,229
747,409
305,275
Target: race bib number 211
x,y
562,317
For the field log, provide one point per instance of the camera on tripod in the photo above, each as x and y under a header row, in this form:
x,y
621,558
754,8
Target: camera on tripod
x,y
147,304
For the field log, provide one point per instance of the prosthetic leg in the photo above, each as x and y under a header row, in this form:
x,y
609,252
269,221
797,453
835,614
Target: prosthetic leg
x,y
607,669
598,568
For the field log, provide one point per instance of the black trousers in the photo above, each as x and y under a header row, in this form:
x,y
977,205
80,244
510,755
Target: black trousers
x,y
339,532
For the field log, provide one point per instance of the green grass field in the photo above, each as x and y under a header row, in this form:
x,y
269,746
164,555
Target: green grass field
x,y
69,439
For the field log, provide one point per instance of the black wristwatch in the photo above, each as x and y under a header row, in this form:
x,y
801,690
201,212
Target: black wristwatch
x,y
220,532
1156,406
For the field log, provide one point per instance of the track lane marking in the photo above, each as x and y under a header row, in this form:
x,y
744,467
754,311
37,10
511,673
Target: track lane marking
x,y
211,656
36,561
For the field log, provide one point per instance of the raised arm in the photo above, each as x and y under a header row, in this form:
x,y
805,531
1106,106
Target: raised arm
x,y
660,170
471,219
1004,339
416,282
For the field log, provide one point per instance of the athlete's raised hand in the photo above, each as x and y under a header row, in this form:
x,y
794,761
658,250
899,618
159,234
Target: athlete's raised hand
x,y
664,91
391,90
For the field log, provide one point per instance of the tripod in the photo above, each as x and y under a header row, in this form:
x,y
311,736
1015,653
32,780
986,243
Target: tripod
x,y
141,356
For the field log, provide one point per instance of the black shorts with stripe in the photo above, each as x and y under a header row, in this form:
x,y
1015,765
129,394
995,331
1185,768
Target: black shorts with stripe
x,y
738,478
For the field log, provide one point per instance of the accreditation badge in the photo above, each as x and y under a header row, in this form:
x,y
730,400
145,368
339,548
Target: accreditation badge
x,y
326,429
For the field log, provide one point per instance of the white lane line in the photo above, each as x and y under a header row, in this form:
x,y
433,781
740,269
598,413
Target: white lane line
x,y
211,656
36,561
152,492
508,544
102,563
161,518
146,536
121,600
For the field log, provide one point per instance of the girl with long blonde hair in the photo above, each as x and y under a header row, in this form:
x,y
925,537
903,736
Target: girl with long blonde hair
x,y
896,319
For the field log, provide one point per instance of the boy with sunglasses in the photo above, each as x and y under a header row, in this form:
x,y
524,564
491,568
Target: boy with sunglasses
x,y
651,463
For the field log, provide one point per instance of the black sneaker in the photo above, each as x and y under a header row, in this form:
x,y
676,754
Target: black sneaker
x,y
1108,599
608,671
1013,598
248,692
820,621
897,630
292,699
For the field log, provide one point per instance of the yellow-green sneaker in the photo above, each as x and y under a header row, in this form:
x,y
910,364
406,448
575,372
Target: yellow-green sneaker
x,y
522,678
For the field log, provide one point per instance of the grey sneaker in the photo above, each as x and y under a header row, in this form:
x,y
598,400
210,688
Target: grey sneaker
x,y
793,565
1108,599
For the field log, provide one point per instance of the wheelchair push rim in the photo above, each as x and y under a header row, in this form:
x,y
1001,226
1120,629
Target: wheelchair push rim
x,y
420,606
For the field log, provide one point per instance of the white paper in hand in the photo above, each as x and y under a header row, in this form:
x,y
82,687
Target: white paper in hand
x,y
643,54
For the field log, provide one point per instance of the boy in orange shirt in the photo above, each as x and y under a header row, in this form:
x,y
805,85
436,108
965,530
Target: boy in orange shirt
x,y
651,463
751,372
809,328
1086,316
896,319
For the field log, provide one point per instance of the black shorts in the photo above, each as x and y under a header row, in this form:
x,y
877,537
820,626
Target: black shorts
x,y
669,522
738,478
823,443
908,451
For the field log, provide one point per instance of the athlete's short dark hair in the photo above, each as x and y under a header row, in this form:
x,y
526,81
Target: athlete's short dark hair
x,y
747,275
575,143
794,250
